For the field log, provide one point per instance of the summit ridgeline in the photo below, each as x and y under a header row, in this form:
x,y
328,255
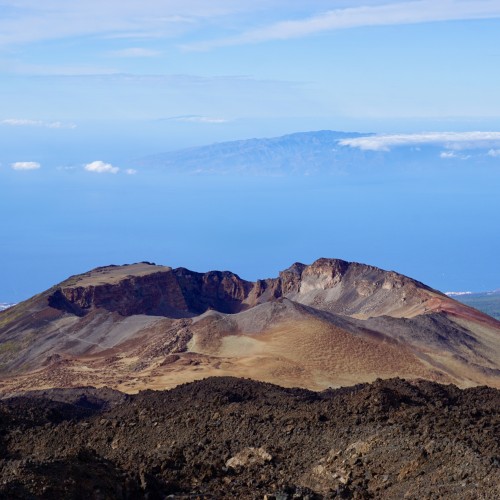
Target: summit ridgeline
x,y
330,323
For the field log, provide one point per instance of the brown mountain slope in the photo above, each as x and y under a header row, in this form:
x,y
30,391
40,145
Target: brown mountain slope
x,y
328,324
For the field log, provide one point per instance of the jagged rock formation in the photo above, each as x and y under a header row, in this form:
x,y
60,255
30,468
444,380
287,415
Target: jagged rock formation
x,y
337,286
329,323
234,438
153,290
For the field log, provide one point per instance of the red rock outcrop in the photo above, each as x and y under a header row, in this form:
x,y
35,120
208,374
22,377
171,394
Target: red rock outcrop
x,y
332,284
158,293
332,322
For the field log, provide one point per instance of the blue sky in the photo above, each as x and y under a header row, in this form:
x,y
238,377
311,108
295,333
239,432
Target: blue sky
x,y
359,61
99,83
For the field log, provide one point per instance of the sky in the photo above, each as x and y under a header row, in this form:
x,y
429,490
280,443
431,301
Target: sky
x,y
87,86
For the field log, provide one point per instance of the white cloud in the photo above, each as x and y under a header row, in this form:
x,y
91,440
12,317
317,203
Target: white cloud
x,y
494,153
23,68
25,165
135,52
197,119
60,125
65,169
100,167
412,12
19,122
451,140
448,155
27,21
130,171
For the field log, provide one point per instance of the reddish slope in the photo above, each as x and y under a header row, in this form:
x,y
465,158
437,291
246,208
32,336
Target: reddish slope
x,y
329,323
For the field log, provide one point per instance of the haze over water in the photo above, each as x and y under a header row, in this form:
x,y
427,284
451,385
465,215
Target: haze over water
x,y
156,77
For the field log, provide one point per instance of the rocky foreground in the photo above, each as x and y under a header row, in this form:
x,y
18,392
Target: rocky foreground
x,y
235,438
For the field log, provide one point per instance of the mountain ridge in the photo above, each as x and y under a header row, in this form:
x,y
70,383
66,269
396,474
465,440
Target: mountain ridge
x,y
325,324
322,152
297,153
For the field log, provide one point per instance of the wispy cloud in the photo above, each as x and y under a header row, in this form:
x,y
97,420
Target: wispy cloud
x,y
451,140
17,122
66,168
20,67
412,12
197,119
494,153
447,154
25,165
135,52
100,167
33,21
130,171
452,155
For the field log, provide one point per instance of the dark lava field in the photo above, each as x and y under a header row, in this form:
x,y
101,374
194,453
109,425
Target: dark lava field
x,y
236,438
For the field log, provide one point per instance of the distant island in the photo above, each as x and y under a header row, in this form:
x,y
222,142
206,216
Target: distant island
x,y
488,302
